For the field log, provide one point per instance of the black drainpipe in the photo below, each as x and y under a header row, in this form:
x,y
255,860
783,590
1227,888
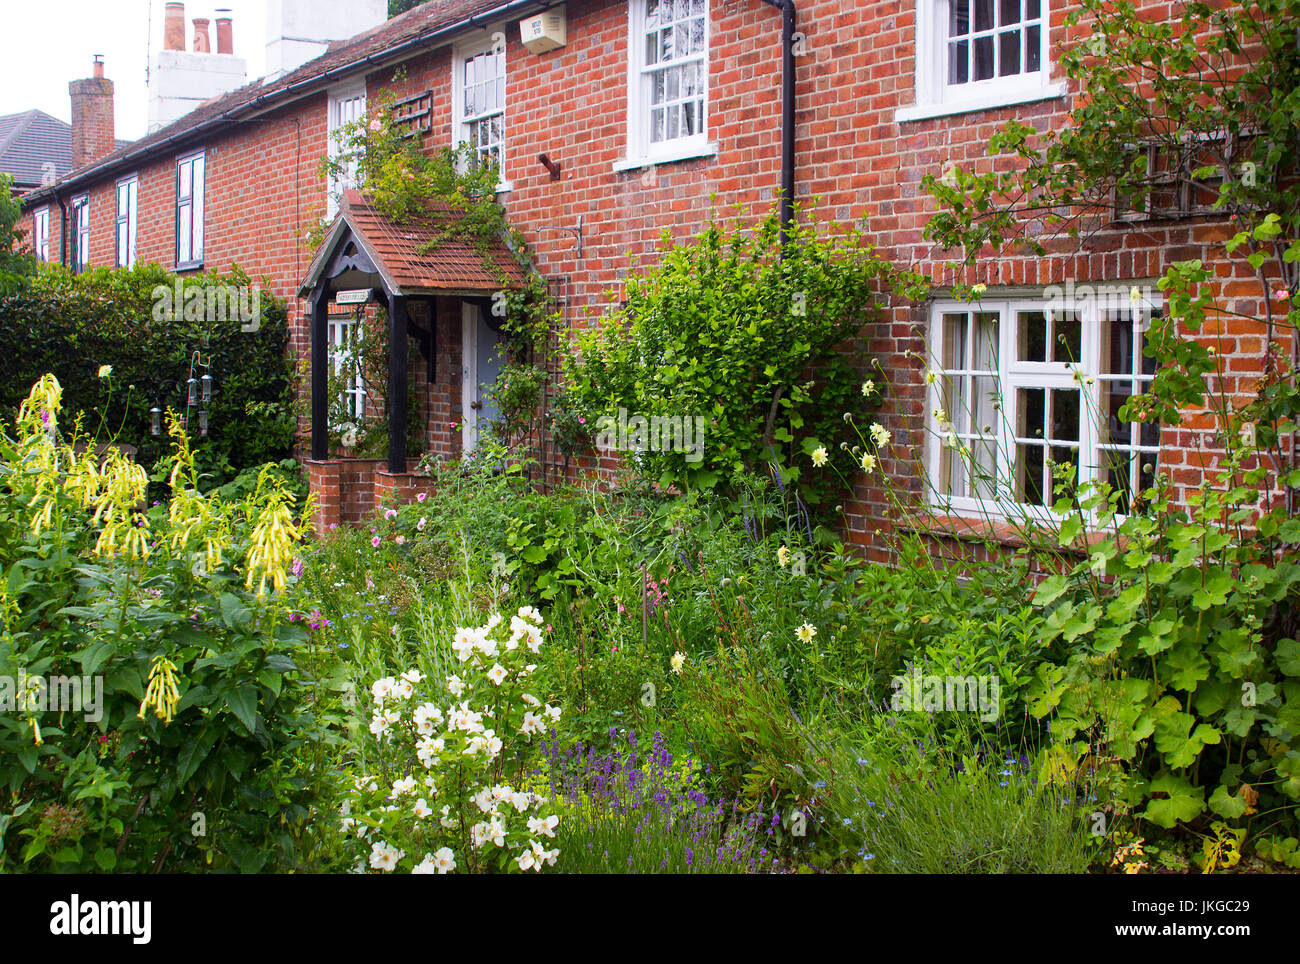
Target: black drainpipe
x,y
63,230
787,114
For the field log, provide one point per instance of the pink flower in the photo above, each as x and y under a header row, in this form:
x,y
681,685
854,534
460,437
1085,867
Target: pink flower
x,y
1282,294
390,514
333,526
400,540
453,426
375,542
421,497
582,420
376,125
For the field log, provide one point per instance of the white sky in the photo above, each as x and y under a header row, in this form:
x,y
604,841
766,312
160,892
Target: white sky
x,y
50,42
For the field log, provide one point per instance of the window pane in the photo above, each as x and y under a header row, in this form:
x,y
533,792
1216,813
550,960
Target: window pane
x,y
1067,337
1032,11
1008,53
186,171
1009,12
983,14
958,63
1033,50
983,57
958,18
1031,335
184,224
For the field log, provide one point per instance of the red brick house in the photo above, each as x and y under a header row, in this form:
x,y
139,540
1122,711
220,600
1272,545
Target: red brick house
x,y
649,108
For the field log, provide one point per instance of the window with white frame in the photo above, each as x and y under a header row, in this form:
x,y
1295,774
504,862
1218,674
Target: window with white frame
x,y
980,53
668,73
190,183
347,105
41,234
479,103
127,194
346,360
1020,387
79,218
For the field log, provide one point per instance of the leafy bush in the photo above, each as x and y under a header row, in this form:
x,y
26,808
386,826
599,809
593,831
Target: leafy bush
x,y
73,325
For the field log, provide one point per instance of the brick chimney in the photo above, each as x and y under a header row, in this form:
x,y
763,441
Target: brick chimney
x,y
174,27
92,116
225,32
202,39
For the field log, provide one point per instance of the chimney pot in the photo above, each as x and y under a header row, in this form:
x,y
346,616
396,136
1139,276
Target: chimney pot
x,y
202,39
174,27
99,67
225,33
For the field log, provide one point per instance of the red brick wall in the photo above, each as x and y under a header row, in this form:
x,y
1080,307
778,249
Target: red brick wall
x,y
858,69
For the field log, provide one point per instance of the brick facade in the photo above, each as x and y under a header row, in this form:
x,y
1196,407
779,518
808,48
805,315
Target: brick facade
x,y
856,70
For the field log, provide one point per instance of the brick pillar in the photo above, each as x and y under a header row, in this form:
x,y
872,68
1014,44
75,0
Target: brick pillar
x,y
324,479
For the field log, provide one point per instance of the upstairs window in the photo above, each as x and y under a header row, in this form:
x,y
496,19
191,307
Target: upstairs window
x,y
190,183
79,223
977,54
41,234
347,105
668,74
479,103
127,191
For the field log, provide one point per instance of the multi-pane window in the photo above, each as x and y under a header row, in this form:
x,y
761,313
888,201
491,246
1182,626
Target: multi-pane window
x,y
189,211
41,234
1025,394
346,360
79,218
345,107
992,39
127,193
669,76
481,93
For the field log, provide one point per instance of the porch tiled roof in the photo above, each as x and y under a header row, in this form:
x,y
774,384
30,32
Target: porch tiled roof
x,y
420,255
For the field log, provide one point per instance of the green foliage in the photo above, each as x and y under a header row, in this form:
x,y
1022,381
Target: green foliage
x,y
194,744
741,333
72,325
16,266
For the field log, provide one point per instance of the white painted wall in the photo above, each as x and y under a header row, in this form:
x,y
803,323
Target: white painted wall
x,y
300,30
180,81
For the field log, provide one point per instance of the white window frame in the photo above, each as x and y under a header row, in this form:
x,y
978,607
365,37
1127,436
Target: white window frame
x,y
641,150
343,330
41,234
192,206
1012,374
460,125
126,222
935,97
347,103
79,222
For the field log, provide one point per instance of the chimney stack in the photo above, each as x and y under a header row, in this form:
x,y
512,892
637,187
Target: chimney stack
x,y
174,27
202,39
92,116
225,33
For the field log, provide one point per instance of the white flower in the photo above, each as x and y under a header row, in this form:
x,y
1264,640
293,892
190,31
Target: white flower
x,y
445,860
402,689
531,614
979,289
426,717
484,800
868,463
484,643
678,661
880,435
105,371
541,853
426,866
383,856
868,387
381,689
531,700
520,801
455,685
463,643
413,676
421,809
543,825
819,456
402,787
429,751
446,819
1134,295
497,674
806,632
534,640
532,724
527,861
552,711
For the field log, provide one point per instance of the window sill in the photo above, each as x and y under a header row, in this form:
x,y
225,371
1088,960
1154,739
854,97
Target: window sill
x,y
987,102
939,525
190,266
685,153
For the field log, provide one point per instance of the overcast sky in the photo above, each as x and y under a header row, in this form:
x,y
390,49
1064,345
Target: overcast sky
x,y
50,42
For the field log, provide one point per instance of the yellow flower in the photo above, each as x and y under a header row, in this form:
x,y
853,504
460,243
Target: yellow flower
x,y
868,463
783,557
162,694
678,661
868,387
806,632
105,371
819,456
880,435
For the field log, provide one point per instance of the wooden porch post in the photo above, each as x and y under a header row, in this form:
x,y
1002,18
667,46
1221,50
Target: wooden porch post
x,y
397,384
320,438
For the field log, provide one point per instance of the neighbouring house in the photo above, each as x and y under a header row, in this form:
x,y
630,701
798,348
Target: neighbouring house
x,y
653,111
